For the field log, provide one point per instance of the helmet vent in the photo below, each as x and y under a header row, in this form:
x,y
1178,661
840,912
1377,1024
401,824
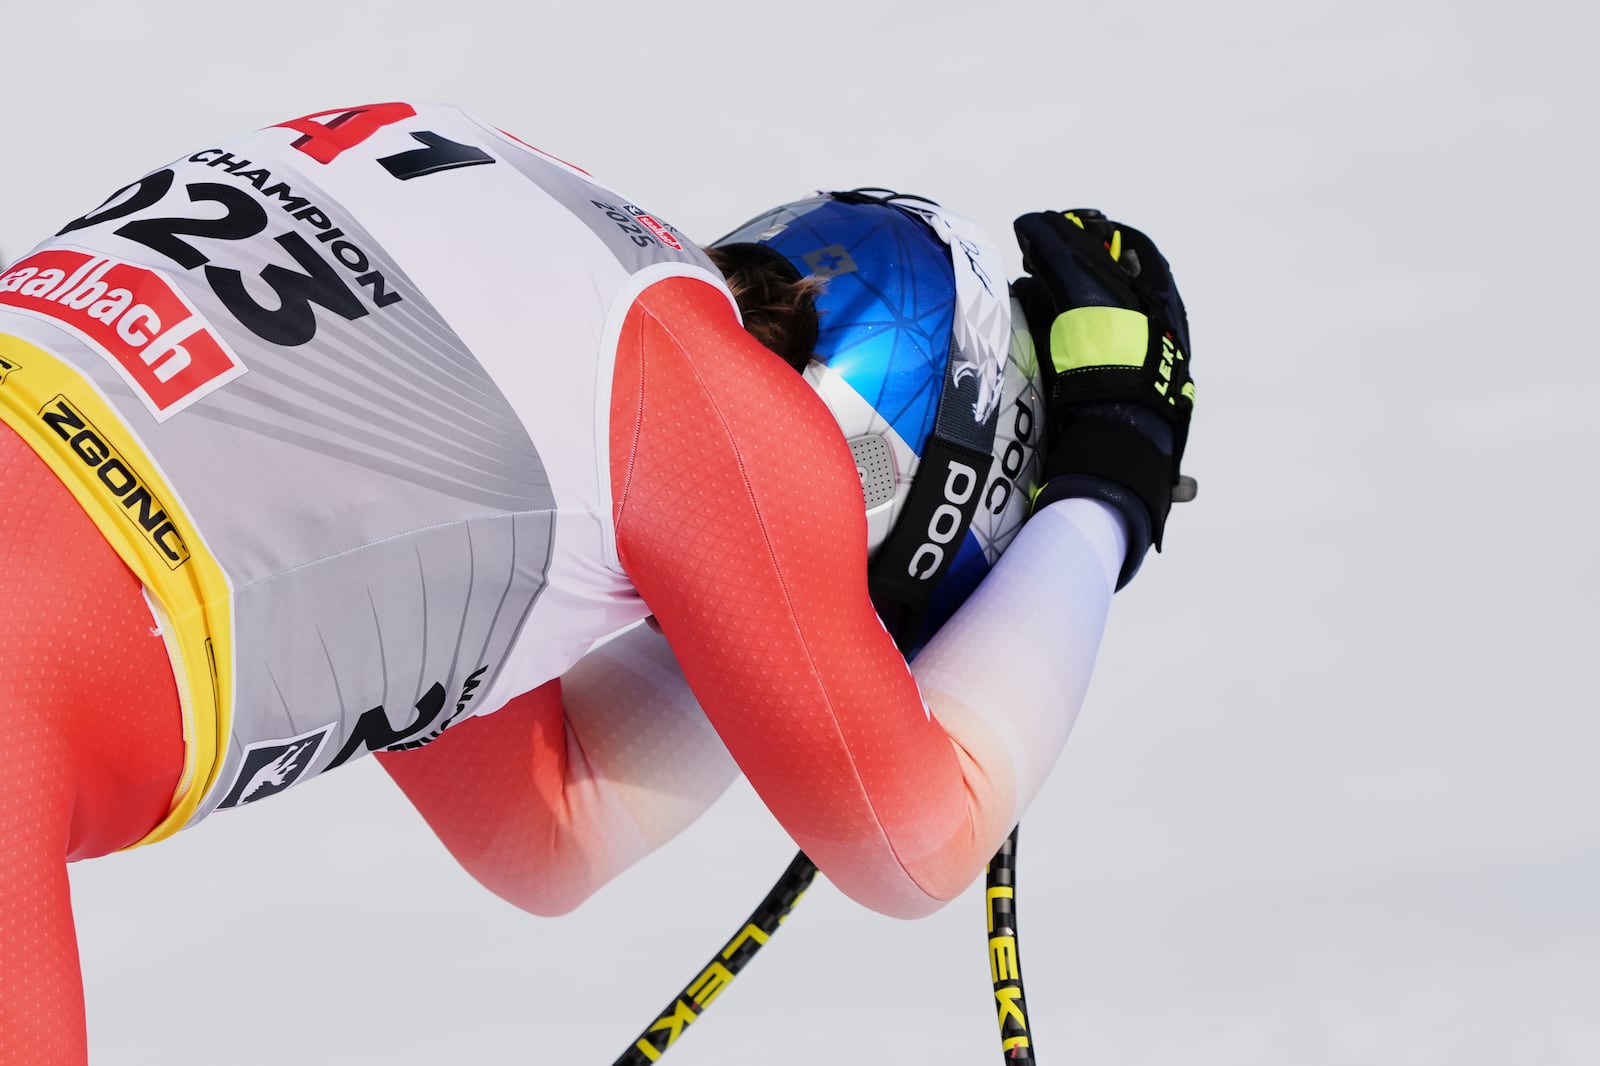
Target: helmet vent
x,y
875,465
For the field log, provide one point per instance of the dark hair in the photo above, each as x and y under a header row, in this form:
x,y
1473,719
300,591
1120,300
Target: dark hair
x,y
777,304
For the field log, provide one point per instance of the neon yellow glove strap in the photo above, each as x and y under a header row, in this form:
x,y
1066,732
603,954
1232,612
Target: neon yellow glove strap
x,y
1088,337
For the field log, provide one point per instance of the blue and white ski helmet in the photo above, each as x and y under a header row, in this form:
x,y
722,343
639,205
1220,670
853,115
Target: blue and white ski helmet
x,y
916,306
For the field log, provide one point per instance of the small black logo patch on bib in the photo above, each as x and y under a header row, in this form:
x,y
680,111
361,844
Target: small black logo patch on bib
x,y
272,766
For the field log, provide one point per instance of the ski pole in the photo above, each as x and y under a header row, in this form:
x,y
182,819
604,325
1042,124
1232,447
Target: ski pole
x,y
698,994
1005,959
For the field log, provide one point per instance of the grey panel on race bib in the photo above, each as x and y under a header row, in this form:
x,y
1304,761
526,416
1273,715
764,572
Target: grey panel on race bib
x,y
437,610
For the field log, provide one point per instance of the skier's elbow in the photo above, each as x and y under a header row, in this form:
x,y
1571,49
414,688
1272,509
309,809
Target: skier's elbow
x,y
888,886
551,893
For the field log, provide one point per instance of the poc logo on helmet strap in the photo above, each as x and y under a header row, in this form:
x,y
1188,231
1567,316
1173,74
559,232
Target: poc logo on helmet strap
x,y
947,520
932,526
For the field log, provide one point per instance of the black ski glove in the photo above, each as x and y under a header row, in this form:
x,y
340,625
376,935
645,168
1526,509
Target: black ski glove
x,y
1113,343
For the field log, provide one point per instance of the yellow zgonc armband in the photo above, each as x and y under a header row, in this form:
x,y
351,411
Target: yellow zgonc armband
x,y
65,420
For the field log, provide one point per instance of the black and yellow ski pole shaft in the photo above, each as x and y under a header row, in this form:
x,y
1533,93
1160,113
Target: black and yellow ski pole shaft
x,y
1005,959
699,993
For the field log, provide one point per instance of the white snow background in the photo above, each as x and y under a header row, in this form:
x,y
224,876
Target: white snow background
x,y
1333,798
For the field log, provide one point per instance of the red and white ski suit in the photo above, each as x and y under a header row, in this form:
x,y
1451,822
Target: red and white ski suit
x,y
364,433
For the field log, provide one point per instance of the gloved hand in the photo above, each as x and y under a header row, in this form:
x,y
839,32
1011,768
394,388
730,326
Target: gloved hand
x,y
1113,342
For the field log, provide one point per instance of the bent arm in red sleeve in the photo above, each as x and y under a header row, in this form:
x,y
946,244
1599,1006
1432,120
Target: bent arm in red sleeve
x,y
739,519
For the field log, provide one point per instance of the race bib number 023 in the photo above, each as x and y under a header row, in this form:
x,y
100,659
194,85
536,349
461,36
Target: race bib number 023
x,y
315,265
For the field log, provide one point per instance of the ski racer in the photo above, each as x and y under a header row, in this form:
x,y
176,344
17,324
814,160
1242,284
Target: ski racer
x,y
370,431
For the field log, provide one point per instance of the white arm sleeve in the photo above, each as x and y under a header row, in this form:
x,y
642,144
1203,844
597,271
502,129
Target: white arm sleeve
x,y
644,737
1007,674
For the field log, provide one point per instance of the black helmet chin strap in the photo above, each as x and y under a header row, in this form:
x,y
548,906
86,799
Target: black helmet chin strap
x,y
944,497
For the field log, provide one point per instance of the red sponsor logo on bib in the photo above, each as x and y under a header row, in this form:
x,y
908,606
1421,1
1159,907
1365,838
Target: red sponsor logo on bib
x,y
134,317
662,233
